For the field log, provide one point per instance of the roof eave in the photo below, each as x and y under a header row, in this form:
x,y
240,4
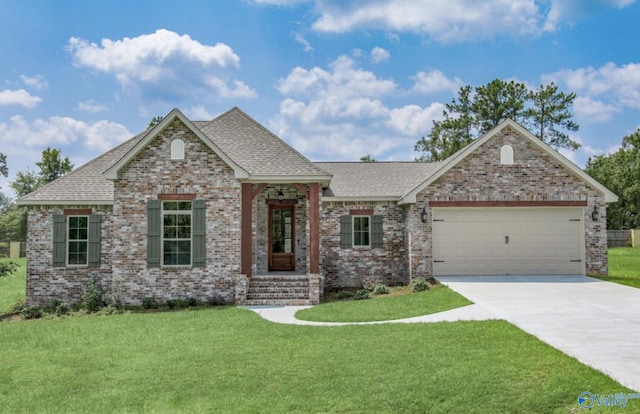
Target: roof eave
x,y
289,179
112,172
64,202
360,198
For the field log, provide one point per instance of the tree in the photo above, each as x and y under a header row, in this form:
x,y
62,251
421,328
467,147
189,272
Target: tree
x,y
550,110
13,224
476,111
4,171
25,183
155,121
5,203
53,166
620,172
367,158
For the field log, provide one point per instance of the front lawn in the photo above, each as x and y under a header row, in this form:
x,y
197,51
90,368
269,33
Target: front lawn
x,y
624,266
384,307
230,360
13,287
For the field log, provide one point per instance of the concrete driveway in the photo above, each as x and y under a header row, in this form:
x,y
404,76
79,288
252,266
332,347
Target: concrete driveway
x,y
596,322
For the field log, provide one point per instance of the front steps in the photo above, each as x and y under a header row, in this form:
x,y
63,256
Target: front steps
x,y
278,290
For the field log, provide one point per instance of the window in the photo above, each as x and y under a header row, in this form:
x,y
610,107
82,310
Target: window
x,y
506,155
78,240
361,231
177,149
176,233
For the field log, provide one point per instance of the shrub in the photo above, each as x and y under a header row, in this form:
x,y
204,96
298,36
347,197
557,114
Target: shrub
x,y
370,282
419,284
343,294
93,295
19,305
216,300
191,302
31,312
7,267
380,289
361,294
110,310
149,303
62,309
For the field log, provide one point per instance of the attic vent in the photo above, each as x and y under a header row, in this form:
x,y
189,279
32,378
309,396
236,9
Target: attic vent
x,y
177,149
506,155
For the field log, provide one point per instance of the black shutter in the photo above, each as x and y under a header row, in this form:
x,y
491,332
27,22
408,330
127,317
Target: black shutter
x,y
376,232
346,232
94,240
59,241
154,230
199,232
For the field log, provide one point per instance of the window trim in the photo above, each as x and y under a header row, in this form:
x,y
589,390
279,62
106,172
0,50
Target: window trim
x,y
353,231
163,213
69,240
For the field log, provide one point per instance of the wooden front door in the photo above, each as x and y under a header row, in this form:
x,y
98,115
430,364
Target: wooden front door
x,y
282,238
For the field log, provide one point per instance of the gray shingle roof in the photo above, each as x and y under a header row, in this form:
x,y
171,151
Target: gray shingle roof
x,y
375,179
85,184
255,148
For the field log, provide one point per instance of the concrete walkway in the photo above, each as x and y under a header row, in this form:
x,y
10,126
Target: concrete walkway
x,y
596,322
286,315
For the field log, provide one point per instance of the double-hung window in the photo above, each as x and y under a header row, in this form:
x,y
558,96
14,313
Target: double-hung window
x,y
176,233
361,231
77,240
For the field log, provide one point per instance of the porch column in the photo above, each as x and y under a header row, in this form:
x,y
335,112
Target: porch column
x,y
246,232
314,228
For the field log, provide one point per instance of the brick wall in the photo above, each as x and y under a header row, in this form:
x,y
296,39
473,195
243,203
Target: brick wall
x,y
348,267
534,176
151,173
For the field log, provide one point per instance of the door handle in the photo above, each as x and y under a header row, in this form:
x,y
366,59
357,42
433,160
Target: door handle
x,y
506,239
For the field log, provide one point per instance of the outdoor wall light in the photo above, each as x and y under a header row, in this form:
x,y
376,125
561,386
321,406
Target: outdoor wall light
x,y
595,214
280,195
423,215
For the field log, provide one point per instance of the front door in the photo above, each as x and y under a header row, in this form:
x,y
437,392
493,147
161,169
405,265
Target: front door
x,y
281,238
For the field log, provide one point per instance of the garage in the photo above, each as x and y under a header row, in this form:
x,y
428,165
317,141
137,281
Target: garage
x,y
508,241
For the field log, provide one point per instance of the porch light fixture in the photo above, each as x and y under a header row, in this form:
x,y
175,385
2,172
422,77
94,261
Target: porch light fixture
x,y
280,195
423,215
595,214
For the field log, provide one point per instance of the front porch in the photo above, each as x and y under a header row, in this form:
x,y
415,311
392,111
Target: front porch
x,y
280,244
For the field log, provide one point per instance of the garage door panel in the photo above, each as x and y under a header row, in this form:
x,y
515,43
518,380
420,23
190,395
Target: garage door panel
x,y
507,241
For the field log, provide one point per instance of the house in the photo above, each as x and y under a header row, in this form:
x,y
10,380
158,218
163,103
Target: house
x,y
226,211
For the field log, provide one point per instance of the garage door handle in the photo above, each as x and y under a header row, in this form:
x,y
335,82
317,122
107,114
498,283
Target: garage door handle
x,y
506,239
438,261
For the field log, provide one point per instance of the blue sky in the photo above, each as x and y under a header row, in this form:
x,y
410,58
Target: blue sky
x,y
336,79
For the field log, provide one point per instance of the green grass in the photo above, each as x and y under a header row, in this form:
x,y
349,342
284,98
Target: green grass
x,y
13,287
230,360
624,266
383,308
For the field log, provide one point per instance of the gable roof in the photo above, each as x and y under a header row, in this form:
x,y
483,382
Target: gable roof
x,y
254,153
447,164
263,155
374,180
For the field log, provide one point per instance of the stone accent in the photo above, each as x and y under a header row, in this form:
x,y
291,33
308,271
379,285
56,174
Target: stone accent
x,y
316,289
348,267
242,288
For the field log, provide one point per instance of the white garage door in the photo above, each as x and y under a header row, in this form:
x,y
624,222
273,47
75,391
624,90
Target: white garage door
x,y
507,241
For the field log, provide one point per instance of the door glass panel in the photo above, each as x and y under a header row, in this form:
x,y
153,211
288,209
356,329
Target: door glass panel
x,y
282,231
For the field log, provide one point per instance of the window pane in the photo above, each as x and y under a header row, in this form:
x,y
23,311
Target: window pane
x,y
170,205
82,234
183,232
184,205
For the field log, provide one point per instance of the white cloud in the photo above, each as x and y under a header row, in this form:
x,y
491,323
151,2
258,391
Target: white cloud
x,y
444,20
91,106
338,113
572,10
589,110
279,2
304,42
198,113
62,131
164,62
379,54
18,97
37,82
427,83
615,86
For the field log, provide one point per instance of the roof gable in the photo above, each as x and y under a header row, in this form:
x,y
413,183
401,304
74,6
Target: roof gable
x,y
456,158
112,172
